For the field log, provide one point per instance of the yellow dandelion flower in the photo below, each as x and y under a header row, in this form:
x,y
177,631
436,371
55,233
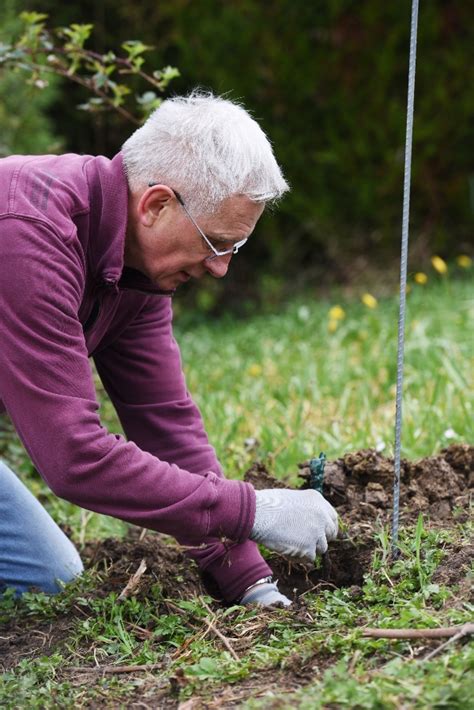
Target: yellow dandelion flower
x,y
464,261
255,370
420,278
337,313
369,300
332,325
439,264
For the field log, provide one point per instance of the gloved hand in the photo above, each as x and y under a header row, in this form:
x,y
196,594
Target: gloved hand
x,y
295,523
265,593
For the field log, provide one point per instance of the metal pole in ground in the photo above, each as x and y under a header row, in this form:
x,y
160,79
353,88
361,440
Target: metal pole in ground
x,y
403,274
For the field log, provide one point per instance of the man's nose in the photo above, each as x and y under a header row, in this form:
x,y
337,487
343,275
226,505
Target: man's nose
x,y
218,266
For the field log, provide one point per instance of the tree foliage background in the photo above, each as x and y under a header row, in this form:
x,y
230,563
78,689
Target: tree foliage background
x,y
328,81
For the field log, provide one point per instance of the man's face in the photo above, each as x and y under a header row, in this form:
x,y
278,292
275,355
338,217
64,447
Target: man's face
x,y
165,245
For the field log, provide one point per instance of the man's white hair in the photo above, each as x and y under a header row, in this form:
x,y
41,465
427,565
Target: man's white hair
x,y
207,148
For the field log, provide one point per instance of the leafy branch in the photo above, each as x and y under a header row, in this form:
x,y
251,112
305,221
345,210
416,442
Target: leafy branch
x,y
41,52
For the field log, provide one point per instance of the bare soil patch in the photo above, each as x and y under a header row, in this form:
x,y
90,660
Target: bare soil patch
x,y
29,639
166,565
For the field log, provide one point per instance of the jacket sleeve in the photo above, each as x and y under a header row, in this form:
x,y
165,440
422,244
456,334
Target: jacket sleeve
x,y
47,387
143,376
141,371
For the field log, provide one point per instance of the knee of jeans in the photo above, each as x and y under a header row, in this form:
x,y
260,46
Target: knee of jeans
x,y
46,577
65,569
52,574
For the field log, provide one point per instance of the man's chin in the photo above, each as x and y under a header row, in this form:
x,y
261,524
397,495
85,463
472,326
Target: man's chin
x,y
171,282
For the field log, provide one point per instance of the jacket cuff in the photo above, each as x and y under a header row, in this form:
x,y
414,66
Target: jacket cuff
x,y
232,514
236,570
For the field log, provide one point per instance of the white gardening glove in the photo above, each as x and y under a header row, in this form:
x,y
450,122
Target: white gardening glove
x,y
295,523
264,593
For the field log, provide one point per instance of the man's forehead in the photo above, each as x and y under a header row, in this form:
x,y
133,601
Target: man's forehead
x,y
241,208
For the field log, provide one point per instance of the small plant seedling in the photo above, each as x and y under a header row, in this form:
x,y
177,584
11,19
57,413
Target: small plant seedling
x,y
316,467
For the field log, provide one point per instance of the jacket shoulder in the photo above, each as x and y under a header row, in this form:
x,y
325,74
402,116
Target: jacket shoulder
x,y
49,188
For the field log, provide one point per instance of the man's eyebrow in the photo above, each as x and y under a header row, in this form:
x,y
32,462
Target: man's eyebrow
x,y
220,238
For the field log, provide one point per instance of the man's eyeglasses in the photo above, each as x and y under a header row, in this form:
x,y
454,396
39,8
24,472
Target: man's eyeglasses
x,y
215,252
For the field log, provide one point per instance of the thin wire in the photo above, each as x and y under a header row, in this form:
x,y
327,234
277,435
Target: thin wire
x,y
403,275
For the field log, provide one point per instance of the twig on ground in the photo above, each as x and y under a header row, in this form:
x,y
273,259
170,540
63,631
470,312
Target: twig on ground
x,y
113,669
216,632
384,572
442,632
463,631
221,636
180,651
323,583
133,582
353,662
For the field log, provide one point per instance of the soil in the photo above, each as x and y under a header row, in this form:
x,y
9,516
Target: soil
x,y
359,485
166,565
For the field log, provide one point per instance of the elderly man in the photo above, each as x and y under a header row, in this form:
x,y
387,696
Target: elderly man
x,y
91,250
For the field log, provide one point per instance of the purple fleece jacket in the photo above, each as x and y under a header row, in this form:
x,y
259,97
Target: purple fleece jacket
x,y
65,295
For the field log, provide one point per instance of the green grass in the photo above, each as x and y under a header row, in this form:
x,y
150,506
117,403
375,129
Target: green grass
x,y
296,388
340,667
282,387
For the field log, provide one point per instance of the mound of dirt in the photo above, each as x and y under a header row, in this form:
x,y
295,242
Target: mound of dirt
x,y
434,485
360,485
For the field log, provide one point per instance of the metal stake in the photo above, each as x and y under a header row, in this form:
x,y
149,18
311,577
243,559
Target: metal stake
x,y
403,274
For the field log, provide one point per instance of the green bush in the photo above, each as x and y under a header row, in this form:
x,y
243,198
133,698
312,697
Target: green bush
x,y
26,127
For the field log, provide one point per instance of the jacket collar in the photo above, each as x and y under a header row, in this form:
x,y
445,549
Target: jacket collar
x,y
108,199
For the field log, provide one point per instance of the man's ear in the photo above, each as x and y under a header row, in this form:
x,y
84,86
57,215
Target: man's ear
x,y
152,202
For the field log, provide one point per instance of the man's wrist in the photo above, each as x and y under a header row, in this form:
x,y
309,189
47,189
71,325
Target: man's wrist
x,y
263,580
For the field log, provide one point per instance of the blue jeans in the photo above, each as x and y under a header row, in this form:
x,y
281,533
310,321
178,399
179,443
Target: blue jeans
x,y
34,552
